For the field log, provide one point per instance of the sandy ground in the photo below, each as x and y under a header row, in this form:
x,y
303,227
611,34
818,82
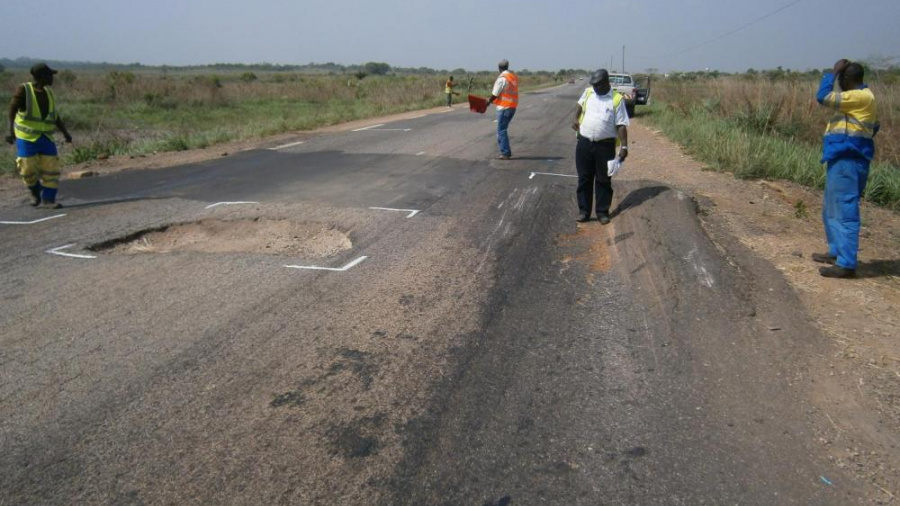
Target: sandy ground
x,y
781,223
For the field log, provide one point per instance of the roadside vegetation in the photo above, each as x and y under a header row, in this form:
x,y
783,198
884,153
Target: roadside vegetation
x,y
768,125
142,110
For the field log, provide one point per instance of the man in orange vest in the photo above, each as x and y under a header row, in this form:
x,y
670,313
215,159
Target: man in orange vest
x,y
505,95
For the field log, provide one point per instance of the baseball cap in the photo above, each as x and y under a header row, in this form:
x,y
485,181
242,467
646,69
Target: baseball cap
x,y
599,75
41,69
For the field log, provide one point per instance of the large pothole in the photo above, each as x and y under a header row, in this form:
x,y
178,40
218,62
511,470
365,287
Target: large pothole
x,y
262,236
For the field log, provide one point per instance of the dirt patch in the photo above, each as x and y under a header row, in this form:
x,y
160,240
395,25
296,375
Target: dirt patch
x,y
262,236
779,221
591,247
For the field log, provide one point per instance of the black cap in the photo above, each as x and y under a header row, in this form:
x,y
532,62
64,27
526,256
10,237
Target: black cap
x,y
42,69
599,75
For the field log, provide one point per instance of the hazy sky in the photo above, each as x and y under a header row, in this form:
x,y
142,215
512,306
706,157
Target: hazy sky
x,y
473,34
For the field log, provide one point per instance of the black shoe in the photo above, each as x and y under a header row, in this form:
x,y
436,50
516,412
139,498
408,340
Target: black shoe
x,y
836,271
582,218
51,205
824,258
604,219
35,195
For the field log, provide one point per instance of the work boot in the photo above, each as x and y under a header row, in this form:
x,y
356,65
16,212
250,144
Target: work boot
x,y
824,258
51,205
836,271
504,157
35,195
604,219
583,218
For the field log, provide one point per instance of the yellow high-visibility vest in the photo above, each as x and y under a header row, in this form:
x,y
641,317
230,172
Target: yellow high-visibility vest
x,y
29,125
617,99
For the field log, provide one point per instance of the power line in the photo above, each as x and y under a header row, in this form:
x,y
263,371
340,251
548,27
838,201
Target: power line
x,y
757,20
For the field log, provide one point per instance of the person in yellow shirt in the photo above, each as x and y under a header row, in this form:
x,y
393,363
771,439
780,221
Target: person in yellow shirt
x,y
32,120
448,89
848,149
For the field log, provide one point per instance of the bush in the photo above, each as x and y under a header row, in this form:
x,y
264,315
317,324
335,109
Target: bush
x,y
67,77
248,77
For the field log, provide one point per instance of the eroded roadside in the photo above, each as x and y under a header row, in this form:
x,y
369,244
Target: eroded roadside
x,y
854,374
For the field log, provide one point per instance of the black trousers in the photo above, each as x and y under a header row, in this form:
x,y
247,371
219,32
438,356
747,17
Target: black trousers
x,y
590,162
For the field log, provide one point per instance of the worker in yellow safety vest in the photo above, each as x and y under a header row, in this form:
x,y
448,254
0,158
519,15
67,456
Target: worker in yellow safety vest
x,y
32,120
602,125
505,95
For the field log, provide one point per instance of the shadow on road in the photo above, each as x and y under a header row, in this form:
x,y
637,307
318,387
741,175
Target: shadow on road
x,y
878,269
637,197
96,203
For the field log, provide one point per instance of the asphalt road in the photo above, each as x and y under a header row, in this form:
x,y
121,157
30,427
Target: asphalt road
x,y
485,351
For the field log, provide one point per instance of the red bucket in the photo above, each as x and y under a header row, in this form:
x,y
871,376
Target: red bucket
x,y
477,104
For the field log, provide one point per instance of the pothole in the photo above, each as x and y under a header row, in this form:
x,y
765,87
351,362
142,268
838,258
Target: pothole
x,y
262,236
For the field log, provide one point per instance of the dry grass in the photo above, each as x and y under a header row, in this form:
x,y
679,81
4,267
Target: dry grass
x,y
756,128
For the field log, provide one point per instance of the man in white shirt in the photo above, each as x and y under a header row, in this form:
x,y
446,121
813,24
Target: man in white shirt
x,y
602,123
505,96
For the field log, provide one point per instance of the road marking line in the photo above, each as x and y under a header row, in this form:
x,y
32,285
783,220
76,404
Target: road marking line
x,y
58,251
412,212
367,128
287,145
228,204
341,269
446,111
392,130
420,153
417,117
31,222
548,174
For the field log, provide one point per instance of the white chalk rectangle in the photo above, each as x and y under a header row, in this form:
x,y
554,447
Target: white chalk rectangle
x,y
58,251
548,174
333,269
368,128
412,212
31,222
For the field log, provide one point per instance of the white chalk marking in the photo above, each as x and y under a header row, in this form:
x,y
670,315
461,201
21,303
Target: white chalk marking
x,y
420,116
494,121
412,212
276,148
392,130
58,251
420,153
341,269
228,204
446,111
31,222
367,128
548,174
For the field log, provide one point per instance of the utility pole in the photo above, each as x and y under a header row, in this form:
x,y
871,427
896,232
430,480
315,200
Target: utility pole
x,y
623,59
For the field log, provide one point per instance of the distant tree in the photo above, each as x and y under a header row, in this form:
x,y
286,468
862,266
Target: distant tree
x,y
248,77
360,75
752,71
377,68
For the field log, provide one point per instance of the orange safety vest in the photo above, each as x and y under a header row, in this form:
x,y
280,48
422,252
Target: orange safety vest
x,y
509,97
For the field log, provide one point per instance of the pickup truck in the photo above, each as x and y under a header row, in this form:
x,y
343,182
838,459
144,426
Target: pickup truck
x,y
632,92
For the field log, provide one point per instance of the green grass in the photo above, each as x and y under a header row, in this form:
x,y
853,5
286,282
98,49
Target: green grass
x,y
728,145
157,113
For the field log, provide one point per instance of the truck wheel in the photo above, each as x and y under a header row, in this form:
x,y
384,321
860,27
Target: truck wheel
x,y
630,110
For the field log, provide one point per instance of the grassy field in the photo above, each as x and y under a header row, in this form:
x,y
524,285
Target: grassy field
x,y
124,113
761,129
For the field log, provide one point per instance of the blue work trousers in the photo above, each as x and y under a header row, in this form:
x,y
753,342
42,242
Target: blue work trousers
x,y
845,182
504,116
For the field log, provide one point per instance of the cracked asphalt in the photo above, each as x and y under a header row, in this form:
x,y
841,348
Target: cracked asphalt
x,y
486,351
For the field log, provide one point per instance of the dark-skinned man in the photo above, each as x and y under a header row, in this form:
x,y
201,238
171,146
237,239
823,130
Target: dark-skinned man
x,y
32,120
848,148
505,95
602,125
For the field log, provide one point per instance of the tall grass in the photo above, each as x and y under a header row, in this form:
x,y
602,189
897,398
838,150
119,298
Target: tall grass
x,y
759,129
118,113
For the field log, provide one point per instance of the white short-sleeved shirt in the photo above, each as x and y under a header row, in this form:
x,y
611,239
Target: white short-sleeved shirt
x,y
600,120
499,86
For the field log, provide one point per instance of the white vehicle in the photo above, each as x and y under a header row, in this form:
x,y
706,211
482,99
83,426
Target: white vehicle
x,y
631,92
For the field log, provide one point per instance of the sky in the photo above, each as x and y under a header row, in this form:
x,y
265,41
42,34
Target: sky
x,y
470,34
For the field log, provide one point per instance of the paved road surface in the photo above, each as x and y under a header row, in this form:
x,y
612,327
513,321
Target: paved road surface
x,y
486,351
